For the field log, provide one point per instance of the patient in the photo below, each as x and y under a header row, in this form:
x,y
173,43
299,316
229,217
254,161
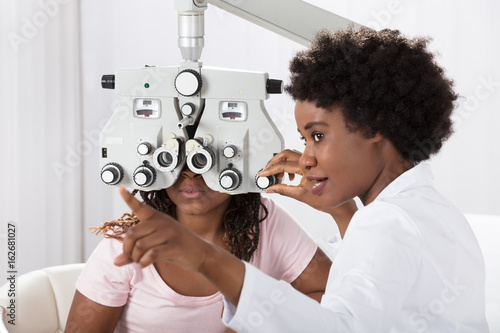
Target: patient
x,y
164,297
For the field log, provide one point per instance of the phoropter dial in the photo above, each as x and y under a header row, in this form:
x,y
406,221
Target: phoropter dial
x,y
265,182
112,173
144,176
188,82
229,151
230,179
188,109
144,148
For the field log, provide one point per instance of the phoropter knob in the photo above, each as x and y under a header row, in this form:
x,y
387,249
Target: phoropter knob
x,y
274,86
188,82
188,109
144,148
230,179
265,182
144,175
108,81
112,173
229,151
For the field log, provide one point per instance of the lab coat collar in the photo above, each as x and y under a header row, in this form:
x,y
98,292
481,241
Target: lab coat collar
x,y
419,175
334,243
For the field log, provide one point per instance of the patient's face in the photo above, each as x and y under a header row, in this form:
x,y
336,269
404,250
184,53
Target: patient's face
x,y
192,196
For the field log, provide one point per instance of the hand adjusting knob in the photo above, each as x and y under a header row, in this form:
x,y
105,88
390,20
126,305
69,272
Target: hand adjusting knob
x,y
188,82
265,182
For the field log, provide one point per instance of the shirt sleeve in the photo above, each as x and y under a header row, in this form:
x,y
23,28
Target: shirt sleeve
x,y
369,279
285,249
101,280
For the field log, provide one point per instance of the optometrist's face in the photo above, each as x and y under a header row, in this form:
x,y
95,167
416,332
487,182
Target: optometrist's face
x,y
192,196
343,164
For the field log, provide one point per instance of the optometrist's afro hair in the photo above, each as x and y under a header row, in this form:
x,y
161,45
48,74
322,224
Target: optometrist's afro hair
x,y
383,82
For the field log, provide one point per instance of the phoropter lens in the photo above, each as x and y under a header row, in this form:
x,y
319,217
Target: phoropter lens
x,y
199,161
165,159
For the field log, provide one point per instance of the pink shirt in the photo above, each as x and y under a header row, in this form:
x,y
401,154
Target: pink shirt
x,y
151,305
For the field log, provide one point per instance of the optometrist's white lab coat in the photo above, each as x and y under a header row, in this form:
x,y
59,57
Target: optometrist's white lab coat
x,y
409,262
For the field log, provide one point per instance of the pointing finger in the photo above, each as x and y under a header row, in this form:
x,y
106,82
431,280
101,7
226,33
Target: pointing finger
x,y
142,211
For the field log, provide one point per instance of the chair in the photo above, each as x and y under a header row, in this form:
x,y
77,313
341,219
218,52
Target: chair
x,y
42,301
487,231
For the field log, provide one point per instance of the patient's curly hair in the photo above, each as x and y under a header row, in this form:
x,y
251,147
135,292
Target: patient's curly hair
x,y
241,220
383,82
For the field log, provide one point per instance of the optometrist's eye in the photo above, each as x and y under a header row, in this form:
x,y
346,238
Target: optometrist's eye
x,y
317,136
303,139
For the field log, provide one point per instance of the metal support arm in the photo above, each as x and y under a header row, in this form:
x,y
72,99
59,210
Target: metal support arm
x,y
294,19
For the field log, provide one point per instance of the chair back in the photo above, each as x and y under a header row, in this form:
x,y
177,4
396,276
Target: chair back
x,y
42,300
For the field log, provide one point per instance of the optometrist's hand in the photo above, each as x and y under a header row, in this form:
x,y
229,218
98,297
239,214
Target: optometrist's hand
x,y
160,237
288,162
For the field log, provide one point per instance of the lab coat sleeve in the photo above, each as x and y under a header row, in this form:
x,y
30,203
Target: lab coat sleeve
x,y
269,305
369,280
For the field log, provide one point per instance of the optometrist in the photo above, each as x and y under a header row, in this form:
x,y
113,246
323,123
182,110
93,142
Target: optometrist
x,y
372,107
